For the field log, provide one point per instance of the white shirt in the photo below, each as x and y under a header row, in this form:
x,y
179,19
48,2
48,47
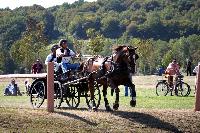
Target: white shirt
x,y
49,58
11,88
196,69
65,57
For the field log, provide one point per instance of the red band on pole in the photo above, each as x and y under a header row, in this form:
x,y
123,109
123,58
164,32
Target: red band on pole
x,y
197,102
50,87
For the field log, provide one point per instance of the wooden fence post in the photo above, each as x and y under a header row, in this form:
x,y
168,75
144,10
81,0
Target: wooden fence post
x,y
50,87
197,102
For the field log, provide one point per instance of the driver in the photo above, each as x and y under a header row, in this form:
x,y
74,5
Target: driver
x,y
64,56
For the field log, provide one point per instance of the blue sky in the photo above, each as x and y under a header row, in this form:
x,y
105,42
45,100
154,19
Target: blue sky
x,y
45,3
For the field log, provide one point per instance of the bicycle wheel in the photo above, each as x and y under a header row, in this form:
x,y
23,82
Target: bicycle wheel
x,y
183,89
162,89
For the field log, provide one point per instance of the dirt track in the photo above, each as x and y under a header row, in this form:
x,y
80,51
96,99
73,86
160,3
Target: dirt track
x,y
137,120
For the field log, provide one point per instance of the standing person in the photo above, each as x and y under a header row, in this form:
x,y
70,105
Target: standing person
x,y
37,67
12,89
161,71
172,71
64,56
27,86
189,67
195,71
126,89
52,57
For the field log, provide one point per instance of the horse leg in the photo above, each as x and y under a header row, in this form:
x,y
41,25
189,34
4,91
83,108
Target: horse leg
x,y
116,104
107,106
91,89
133,95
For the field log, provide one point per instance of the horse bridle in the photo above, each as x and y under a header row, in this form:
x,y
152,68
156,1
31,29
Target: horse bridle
x,y
114,64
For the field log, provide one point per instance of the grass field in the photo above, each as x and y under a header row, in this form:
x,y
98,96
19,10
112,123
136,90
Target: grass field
x,y
152,113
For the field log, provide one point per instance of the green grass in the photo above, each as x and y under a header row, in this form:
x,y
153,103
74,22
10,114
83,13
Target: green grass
x,y
146,96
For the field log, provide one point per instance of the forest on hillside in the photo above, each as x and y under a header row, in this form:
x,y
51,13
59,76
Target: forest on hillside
x,y
161,29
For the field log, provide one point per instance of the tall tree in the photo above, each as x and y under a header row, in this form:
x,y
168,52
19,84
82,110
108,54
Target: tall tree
x,y
28,48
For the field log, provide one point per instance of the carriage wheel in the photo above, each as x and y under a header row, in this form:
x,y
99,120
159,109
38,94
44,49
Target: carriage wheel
x,y
72,98
162,89
97,97
37,93
58,94
183,89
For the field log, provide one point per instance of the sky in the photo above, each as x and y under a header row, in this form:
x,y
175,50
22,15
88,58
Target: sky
x,y
12,4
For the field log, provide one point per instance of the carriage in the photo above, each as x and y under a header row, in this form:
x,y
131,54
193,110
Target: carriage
x,y
66,89
109,71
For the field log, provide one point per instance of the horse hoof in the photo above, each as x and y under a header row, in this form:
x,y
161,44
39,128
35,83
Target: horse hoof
x,y
133,103
94,109
108,109
115,106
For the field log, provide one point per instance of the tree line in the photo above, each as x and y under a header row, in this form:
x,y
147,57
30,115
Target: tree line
x,y
161,29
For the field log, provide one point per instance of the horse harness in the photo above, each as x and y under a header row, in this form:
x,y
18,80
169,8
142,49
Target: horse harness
x,y
115,68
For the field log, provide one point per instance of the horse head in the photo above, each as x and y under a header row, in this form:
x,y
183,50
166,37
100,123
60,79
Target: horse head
x,y
127,55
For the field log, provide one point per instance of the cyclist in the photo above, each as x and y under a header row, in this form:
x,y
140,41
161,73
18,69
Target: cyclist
x,y
64,55
172,71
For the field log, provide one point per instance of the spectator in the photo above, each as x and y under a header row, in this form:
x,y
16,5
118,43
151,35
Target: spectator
x,y
126,89
12,89
161,71
189,67
64,55
171,71
52,57
27,86
195,72
196,69
37,67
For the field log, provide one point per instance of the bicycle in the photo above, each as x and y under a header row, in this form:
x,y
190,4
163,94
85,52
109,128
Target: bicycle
x,y
181,88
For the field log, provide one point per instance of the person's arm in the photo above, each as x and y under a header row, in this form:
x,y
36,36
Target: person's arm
x,y
177,69
48,58
72,53
41,66
32,69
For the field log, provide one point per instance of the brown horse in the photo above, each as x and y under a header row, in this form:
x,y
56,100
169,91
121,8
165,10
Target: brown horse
x,y
112,71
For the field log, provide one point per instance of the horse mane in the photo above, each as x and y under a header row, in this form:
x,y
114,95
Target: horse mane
x,y
119,48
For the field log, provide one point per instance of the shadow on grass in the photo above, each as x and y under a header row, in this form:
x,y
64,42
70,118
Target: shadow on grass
x,y
147,120
142,118
74,116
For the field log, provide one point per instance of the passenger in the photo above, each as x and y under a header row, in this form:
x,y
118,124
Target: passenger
x,y
64,56
52,57
12,89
